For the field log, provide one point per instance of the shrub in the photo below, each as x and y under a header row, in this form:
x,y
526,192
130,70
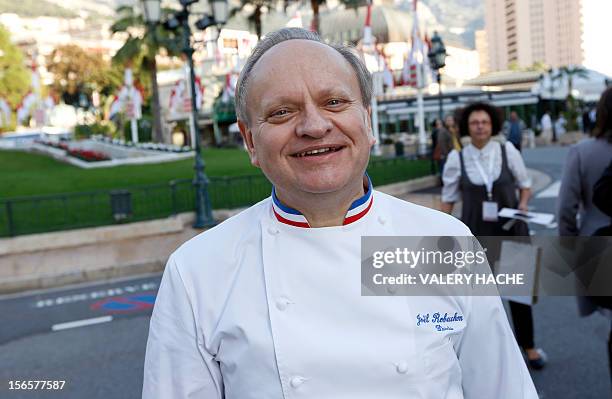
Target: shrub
x,y
145,129
103,128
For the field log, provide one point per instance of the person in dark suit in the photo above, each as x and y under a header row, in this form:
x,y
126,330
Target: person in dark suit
x,y
586,190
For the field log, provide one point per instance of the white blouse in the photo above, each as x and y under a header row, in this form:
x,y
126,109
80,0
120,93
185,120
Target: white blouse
x,y
452,168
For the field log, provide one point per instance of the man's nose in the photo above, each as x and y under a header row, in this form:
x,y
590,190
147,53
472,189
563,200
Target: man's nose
x,y
314,123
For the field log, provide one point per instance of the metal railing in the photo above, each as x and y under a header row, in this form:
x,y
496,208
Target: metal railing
x,y
38,214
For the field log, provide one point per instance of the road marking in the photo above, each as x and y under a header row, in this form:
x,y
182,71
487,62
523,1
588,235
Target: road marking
x,y
551,191
122,304
96,294
81,323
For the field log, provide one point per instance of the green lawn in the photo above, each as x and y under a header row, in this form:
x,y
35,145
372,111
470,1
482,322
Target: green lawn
x,y
25,174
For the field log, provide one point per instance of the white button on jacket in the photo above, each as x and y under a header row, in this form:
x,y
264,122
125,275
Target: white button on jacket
x,y
254,309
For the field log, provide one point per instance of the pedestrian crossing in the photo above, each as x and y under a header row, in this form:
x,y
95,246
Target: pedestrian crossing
x,y
551,191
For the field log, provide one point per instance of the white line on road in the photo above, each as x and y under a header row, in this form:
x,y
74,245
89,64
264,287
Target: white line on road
x,y
551,191
81,323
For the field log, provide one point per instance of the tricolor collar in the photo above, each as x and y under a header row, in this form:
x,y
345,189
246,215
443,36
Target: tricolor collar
x,y
293,217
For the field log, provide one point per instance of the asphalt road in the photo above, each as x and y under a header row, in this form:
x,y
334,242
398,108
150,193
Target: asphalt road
x,y
93,337
101,355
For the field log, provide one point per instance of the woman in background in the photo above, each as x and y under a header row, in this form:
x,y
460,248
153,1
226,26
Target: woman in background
x,y
485,175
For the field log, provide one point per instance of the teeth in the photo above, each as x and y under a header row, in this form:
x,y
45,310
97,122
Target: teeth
x,y
313,152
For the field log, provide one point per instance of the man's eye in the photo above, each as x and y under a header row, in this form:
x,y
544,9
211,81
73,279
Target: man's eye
x,y
280,112
334,102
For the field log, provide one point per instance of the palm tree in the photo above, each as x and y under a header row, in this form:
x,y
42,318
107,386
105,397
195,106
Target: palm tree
x,y
254,18
570,72
316,4
140,48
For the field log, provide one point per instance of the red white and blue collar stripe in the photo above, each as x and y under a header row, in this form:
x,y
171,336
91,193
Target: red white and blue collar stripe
x,y
358,209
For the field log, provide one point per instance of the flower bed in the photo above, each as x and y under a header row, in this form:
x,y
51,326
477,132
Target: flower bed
x,y
85,155
143,146
88,155
55,144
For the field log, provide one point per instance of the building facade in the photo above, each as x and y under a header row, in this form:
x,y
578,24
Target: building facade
x,y
521,33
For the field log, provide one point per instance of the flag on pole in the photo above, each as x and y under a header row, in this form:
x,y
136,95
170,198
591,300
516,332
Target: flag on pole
x,y
388,78
129,99
417,58
229,90
180,100
409,71
368,38
32,104
375,60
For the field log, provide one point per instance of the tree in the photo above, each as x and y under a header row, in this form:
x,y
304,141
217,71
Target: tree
x,y
316,4
254,18
571,72
14,76
538,66
140,50
77,72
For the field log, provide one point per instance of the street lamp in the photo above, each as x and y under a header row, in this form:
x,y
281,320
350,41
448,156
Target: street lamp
x,y
437,60
220,11
152,11
180,19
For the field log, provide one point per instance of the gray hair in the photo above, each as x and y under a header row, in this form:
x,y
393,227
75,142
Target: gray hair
x,y
281,35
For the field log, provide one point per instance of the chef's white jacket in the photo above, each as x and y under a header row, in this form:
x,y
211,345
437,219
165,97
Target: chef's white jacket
x,y
258,309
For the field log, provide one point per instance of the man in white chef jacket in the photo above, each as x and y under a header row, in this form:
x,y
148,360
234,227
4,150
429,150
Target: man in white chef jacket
x,y
268,303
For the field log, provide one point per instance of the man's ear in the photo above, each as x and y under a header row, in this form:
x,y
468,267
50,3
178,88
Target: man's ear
x,y
247,138
372,139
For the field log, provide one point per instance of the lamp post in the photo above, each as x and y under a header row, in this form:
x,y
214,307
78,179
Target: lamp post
x,y
437,60
553,75
181,20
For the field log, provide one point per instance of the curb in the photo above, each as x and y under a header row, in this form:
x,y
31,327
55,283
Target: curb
x,y
27,283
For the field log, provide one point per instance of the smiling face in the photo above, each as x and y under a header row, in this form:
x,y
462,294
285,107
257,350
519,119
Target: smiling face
x,y
307,127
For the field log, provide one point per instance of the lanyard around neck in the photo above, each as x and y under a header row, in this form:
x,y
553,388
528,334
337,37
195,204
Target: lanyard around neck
x,y
487,178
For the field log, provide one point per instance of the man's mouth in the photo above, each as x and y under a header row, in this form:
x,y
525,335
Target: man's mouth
x,y
317,152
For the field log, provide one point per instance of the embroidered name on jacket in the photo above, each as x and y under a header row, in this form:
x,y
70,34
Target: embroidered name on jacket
x,y
442,322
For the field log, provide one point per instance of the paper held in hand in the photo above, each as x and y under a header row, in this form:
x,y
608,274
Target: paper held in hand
x,y
544,219
520,258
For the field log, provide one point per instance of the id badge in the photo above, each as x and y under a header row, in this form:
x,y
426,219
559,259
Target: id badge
x,y
489,211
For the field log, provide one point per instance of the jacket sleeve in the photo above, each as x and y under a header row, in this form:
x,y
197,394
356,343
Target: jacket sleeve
x,y
176,363
491,363
451,177
569,195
